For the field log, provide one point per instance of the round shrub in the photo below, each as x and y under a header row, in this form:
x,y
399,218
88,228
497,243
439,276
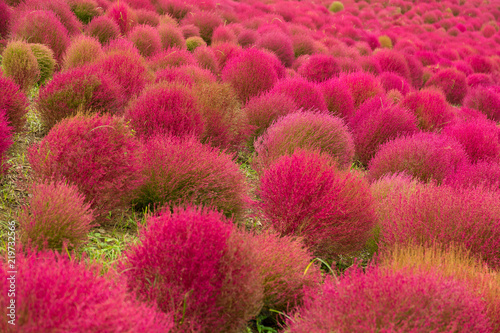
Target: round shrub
x,y
206,59
20,64
377,122
84,10
43,27
185,171
174,8
362,86
225,51
480,64
430,108
223,34
83,50
385,41
103,28
98,154
250,73
284,265
479,137
388,301
171,58
165,110
392,61
305,94
486,100
452,82
482,173
319,68
171,36
185,75
392,81
445,216
56,214
280,44
46,62
122,15
5,140
479,79
303,44
81,89
204,270
5,15
248,37
79,299
308,130
206,22
339,101
194,42
305,195
147,17
146,39
261,111
426,156
336,7
14,102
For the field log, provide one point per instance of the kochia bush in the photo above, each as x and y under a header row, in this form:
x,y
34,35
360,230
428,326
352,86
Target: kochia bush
x,y
147,40
20,64
46,62
280,44
319,68
484,173
103,28
452,82
14,102
338,98
305,195
305,94
83,50
362,86
486,100
197,265
5,140
430,107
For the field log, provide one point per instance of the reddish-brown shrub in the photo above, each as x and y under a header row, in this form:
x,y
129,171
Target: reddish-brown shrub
x,y
171,36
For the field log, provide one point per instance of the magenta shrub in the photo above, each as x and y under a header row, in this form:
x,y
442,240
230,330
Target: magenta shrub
x,y
480,64
452,82
280,44
197,265
185,171
165,110
338,98
206,21
82,89
444,215
307,130
43,27
430,108
223,34
392,61
122,15
5,15
305,94
479,137
98,154
5,140
385,301
84,10
250,73
426,156
376,122
319,68
302,44
362,86
479,79
146,39
103,28
226,51
486,100
248,37
147,17
172,57
55,215
171,37
305,195
391,81
482,173
205,57
14,102
79,298
83,50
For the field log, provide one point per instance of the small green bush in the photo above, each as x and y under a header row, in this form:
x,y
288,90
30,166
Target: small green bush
x,y
193,42
46,62
20,64
336,7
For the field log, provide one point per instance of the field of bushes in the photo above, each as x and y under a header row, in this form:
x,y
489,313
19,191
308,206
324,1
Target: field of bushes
x,y
220,166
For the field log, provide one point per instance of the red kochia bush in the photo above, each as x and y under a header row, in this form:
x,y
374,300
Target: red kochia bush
x,y
98,154
486,100
195,263
444,215
390,81
5,140
207,22
426,156
165,110
79,299
338,98
308,130
172,57
82,89
146,39
5,14
485,173
305,94
319,68
376,122
185,171
56,213
250,73
83,50
14,102
280,44
171,36
452,82
122,15
479,137
392,61
362,86
306,195
385,301
103,28
430,107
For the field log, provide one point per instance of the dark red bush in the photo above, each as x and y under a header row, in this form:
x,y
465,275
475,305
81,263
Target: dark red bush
x,y
122,15
391,81
482,173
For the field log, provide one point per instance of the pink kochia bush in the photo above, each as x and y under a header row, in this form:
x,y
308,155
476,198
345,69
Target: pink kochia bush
x,y
384,301
392,81
79,298
5,140
103,28
362,86
305,94
197,265
82,89
250,73
485,173
56,213
338,98
443,215
307,130
280,44
98,154
430,107
14,102
376,122
305,195
426,156
319,68
165,110
452,82
146,39
183,171
479,137
486,100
